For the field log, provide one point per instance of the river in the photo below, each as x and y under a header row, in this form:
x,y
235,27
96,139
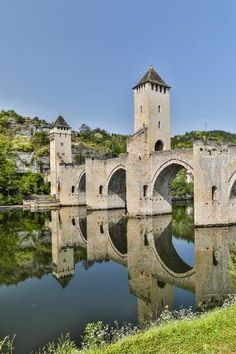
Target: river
x,y
62,269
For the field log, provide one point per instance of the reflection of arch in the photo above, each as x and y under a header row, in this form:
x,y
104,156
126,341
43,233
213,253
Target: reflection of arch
x,y
82,183
118,236
83,228
159,146
117,183
168,257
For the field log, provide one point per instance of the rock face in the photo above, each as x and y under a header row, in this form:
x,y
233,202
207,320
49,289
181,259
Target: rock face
x,y
29,155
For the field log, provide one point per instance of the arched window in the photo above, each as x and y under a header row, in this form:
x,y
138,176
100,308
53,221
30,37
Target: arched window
x,y
159,109
73,221
159,124
159,146
100,189
73,189
160,88
152,86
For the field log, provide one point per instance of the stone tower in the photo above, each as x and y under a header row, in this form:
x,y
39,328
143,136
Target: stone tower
x,y
60,151
152,110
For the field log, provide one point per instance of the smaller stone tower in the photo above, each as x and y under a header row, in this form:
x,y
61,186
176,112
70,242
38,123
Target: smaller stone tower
x,y
60,152
152,110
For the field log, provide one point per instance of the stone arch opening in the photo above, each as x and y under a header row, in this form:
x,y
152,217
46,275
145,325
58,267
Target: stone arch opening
x,y
117,189
159,146
232,194
118,236
82,184
174,182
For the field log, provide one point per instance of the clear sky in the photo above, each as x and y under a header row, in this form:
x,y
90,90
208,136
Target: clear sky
x,y
81,58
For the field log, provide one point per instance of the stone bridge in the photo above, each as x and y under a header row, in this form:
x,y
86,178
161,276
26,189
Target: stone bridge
x,y
140,180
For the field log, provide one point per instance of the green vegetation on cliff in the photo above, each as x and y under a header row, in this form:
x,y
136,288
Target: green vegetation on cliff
x,y
23,136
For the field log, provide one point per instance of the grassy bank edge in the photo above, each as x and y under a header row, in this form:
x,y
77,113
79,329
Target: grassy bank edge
x,y
211,333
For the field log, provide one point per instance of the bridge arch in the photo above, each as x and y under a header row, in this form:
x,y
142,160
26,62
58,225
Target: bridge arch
x,y
232,186
116,188
82,183
161,184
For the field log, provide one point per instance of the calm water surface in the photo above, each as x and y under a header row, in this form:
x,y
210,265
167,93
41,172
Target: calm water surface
x,y
61,269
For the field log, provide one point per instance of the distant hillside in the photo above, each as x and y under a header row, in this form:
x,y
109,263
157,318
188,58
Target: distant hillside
x,y
24,153
186,140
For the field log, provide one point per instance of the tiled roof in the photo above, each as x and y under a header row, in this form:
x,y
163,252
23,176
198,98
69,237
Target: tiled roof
x,y
153,77
60,122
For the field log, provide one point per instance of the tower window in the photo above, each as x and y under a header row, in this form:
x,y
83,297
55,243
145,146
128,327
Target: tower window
x,y
152,86
160,88
100,189
156,87
73,189
164,90
73,221
145,187
159,146
159,109
101,229
159,124
141,108
214,193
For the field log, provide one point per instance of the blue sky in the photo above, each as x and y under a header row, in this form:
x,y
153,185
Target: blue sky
x,y
82,57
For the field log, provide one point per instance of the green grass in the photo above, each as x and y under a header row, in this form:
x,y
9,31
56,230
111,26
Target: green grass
x,y
211,333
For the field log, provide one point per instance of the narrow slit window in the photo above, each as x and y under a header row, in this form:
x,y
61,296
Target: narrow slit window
x,y
145,188
214,193
141,108
73,221
159,124
73,189
100,190
159,109
152,86
101,229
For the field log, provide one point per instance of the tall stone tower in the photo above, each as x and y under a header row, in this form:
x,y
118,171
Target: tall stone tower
x,y
60,152
152,110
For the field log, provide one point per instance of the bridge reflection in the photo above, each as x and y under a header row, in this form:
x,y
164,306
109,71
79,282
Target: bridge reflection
x,y
146,247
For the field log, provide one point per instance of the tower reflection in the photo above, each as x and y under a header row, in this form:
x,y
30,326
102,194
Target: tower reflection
x,y
147,247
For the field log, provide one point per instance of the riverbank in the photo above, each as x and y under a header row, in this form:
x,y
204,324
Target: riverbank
x,y
212,333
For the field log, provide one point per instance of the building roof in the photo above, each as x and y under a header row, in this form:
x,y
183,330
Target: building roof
x,y
153,77
60,122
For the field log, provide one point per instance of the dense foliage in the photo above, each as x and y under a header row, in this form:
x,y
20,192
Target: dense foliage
x,y
13,185
100,138
87,142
